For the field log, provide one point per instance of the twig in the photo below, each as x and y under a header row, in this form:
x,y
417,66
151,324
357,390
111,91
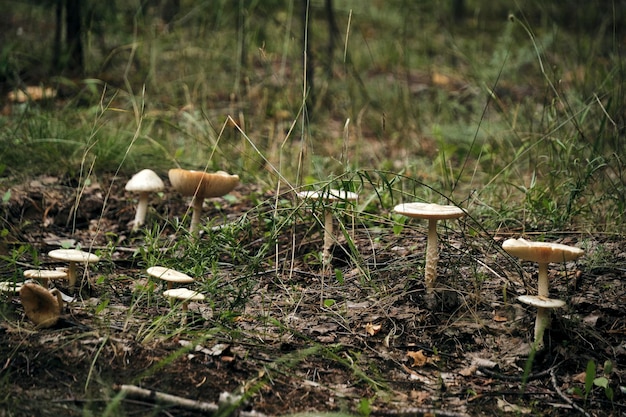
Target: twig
x,y
565,397
161,397
419,411
516,378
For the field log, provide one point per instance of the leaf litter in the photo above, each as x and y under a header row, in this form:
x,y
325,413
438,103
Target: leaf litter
x,y
462,352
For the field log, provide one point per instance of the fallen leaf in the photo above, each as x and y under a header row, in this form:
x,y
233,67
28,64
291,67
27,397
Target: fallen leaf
x,y
499,319
372,329
468,371
419,359
512,408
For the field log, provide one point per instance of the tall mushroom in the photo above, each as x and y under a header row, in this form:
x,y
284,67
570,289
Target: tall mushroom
x,y
328,197
201,185
73,256
144,182
434,213
42,306
543,253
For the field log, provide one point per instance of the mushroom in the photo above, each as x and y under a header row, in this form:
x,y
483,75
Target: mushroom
x,y
201,185
42,306
73,256
543,253
329,196
434,213
44,276
144,182
11,286
169,275
185,295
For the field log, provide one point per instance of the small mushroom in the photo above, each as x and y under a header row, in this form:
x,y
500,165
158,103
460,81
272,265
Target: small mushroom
x,y
328,197
434,213
201,185
73,256
169,275
185,295
144,182
10,286
543,253
42,306
44,276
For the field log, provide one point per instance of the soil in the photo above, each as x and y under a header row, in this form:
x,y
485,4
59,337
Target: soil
x,y
270,341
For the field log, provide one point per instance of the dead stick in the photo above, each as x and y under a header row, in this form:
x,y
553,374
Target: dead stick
x,y
419,411
568,400
161,397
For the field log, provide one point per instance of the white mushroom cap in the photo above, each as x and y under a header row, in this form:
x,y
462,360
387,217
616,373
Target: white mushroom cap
x,y
541,252
329,195
541,302
145,180
73,255
45,274
184,294
429,211
168,274
10,286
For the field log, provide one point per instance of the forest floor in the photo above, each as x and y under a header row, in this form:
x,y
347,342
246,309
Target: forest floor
x,y
373,343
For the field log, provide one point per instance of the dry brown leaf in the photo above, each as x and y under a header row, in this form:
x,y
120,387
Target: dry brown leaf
x,y
419,397
372,329
499,319
419,359
468,371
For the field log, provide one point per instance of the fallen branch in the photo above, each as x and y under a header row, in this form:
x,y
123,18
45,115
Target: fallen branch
x,y
568,400
163,398
419,411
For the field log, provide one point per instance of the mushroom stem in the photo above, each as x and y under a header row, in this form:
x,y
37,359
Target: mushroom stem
x,y
185,308
542,283
196,203
328,236
432,256
71,275
541,323
142,209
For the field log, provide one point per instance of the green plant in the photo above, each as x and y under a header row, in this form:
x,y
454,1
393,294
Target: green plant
x,y
593,380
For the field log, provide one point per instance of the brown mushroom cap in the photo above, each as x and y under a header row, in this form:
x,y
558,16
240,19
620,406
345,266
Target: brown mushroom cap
x,y
202,184
429,211
541,302
40,306
329,195
168,274
184,294
541,252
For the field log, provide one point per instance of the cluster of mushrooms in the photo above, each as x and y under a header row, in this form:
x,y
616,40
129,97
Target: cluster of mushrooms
x,y
44,306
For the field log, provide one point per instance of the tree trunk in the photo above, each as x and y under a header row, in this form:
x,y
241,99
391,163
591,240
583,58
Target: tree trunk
x,y
73,33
